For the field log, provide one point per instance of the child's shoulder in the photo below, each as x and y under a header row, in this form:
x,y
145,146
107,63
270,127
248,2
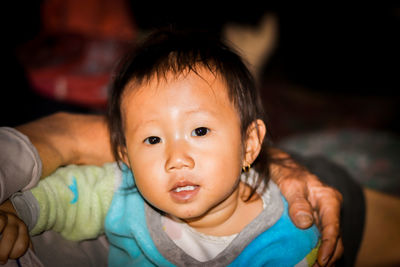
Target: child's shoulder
x,y
282,243
278,241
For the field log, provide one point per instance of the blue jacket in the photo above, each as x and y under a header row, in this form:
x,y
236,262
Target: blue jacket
x,y
131,244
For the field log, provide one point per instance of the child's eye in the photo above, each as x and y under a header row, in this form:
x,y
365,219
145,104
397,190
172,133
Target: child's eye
x,y
152,140
201,131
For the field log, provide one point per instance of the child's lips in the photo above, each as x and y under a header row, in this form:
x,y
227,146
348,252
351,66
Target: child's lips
x,y
183,192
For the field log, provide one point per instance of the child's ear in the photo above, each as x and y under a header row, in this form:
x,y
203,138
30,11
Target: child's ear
x,y
255,136
123,155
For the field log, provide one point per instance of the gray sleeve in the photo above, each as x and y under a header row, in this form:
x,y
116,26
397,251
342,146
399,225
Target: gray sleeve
x,y
27,208
20,164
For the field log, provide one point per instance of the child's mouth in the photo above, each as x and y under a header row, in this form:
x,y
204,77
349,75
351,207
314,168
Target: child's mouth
x,y
184,193
185,188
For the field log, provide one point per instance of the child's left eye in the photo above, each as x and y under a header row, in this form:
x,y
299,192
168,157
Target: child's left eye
x,y
201,131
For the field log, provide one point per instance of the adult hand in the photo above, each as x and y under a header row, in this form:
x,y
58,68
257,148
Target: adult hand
x,y
14,236
310,202
66,138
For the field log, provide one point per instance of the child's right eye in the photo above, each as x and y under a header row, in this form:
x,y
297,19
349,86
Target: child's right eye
x,y
152,140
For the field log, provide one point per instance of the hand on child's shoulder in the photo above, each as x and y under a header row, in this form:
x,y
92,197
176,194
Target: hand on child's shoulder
x,y
14,235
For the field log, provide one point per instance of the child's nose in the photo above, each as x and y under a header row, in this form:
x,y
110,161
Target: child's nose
x,y
178,157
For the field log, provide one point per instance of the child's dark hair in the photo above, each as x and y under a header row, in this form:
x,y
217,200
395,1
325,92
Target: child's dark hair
x,y
167,51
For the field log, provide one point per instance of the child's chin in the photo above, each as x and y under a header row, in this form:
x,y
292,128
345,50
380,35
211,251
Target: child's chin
x,y
188,215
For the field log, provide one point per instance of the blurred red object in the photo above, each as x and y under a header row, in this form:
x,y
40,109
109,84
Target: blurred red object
x,y
73,57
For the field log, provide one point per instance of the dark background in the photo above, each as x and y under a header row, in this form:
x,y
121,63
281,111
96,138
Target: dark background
x,y
333,67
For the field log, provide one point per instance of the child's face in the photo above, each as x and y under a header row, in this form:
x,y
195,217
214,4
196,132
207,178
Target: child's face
x,y
183,143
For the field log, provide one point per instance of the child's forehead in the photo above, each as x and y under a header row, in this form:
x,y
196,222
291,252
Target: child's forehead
x,y
199,77
200,89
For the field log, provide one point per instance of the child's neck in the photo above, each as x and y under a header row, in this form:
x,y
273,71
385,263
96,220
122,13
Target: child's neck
x,y
231,216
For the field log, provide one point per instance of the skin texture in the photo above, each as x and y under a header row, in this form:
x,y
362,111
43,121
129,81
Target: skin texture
x,y
66,138
187,133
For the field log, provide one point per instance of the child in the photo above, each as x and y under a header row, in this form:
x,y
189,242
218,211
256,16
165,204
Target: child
x,y
186,121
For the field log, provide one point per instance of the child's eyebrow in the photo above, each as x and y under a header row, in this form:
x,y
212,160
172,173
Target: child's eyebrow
x,y
142,123
199,110
189,112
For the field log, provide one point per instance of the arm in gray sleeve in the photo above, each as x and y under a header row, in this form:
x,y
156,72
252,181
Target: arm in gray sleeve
x,y
27,208
20,164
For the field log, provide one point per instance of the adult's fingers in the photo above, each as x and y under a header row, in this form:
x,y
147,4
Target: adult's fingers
x,y
3,221
296,194
8,238
328,247
328,206
338,253
21,244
